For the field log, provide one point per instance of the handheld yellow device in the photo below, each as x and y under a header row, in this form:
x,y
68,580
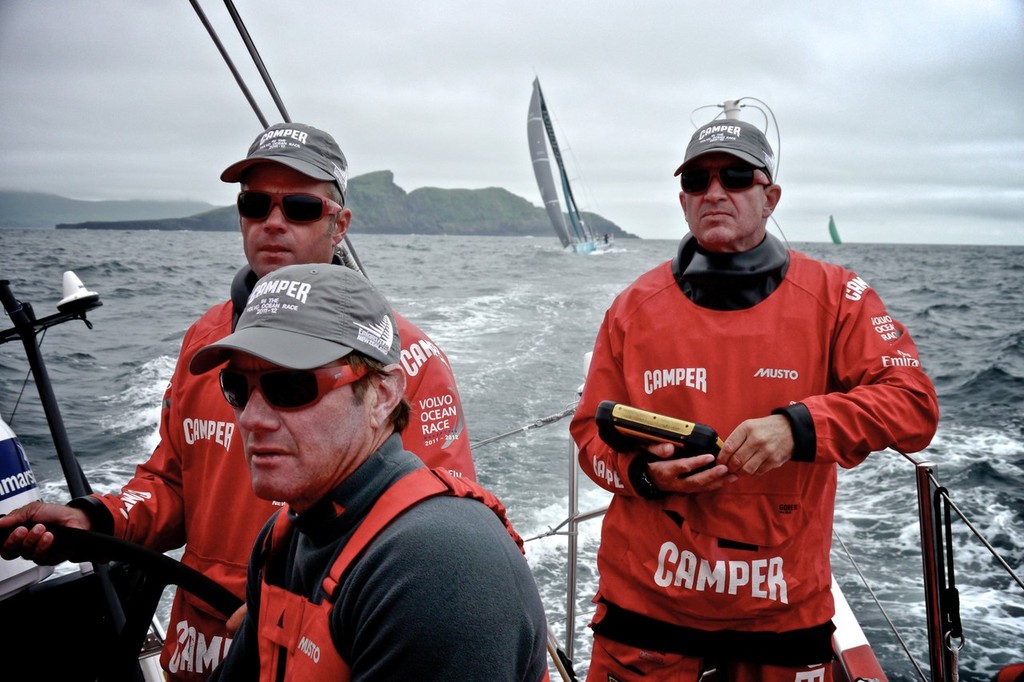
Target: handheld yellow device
x,y
627,428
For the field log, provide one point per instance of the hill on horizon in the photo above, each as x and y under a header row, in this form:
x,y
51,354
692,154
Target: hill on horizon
x,y
379,206
42,209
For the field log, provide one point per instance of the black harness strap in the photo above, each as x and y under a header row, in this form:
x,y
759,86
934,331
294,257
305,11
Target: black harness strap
x,y
808,646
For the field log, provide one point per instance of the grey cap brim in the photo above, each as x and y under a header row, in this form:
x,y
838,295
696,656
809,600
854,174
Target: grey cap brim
x,y
235,171
289,349
749,158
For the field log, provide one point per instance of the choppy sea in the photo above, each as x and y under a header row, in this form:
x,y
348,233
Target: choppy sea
x,y
515,317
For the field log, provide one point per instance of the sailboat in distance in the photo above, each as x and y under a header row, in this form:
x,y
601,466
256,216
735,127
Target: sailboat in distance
x,y
575,235
833,231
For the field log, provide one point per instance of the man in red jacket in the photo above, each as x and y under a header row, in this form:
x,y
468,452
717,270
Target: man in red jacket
x,y
801,366
194,488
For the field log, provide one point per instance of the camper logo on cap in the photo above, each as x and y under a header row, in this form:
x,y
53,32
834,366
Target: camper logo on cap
x,y
302,147
280,139
721,131
275,133
281,287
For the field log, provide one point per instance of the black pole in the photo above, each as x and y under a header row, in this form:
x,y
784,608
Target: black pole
x,y
25,325
257,60
231,64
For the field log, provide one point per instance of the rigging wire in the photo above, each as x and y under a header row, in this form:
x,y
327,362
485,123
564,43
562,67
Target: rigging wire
x,y
24,385
878,603
535,424
977,533
1006,567
590,196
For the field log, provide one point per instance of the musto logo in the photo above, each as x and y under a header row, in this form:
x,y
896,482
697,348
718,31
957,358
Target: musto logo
x,y
777,373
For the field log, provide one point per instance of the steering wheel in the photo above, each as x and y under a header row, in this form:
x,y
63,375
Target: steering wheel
x,y
159,571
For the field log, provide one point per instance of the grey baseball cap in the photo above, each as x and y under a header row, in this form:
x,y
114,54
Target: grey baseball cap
x,y
306,316
739,138
302,147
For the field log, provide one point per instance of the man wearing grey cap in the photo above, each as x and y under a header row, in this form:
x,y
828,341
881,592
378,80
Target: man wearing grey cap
x,y
292,209
378,568
294,182
723,562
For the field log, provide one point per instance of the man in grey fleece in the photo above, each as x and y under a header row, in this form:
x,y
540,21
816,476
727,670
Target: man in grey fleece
x,y
378,568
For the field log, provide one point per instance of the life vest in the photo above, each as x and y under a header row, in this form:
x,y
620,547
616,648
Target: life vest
x,y
294,631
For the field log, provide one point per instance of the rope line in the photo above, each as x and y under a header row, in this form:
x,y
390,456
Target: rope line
x,y
881,609
977,533
536,424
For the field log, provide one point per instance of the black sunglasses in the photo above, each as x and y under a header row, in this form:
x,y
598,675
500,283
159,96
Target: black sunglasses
x,y
733,178
298,208
287,389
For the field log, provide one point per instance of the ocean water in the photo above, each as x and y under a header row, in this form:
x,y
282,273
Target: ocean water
x,y
515,317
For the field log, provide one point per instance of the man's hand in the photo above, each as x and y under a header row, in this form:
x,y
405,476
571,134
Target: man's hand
x,y
35,542
671,475
758,445
235,621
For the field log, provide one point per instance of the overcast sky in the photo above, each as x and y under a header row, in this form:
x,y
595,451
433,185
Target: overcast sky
x,y
904,120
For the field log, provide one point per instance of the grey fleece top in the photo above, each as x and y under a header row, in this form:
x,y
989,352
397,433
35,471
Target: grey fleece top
x,y
442,593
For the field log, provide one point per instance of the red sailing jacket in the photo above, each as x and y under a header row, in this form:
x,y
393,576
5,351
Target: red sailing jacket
x,y
195,486
755,554
294,631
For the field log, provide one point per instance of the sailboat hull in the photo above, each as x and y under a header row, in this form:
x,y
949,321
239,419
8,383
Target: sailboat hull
x,y
591,246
